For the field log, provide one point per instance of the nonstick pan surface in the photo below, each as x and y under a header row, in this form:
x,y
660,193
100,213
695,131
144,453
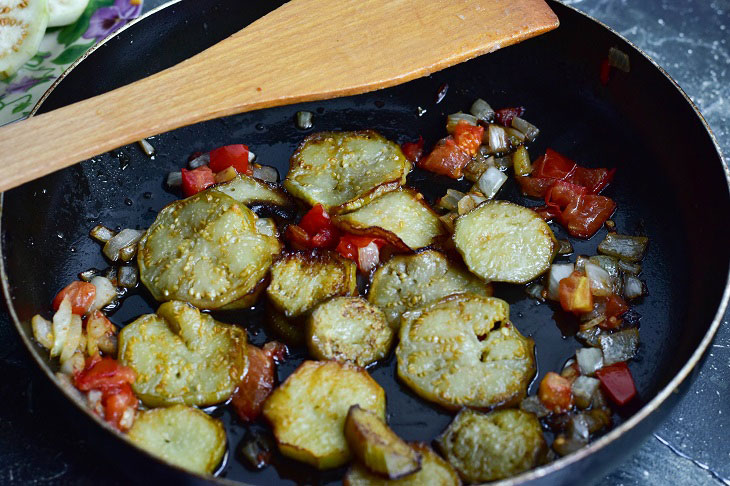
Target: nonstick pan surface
x,y
670,185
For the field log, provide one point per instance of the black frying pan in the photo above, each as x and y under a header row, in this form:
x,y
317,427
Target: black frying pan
x,y
670,185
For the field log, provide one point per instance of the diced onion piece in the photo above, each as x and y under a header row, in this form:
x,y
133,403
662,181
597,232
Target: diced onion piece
x,y
368,257
583,389
450,200
87,275
448,220
630,268
105,292
580,264
515,136
619,59
584,326
521,161
251,156
481,110
61,326
126,237
478,164
589,360
42,331
491,182
533,404
127,254
590,336
503,163
73,339
600,280
619,346
625,247
128,277
146,147
94,398
454,119
497,139
101,233
199,161
227,174
531,132
633,287
174,179
73,365
265,173
469,202
558,271
304,120
536,290
564,247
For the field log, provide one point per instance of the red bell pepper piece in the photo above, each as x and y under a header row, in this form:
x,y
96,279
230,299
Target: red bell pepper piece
x,y
316,219
446,158
350,245
413,150
555,393
553,165
594,180
505,115
617,382
81,294
587,214
194,181
468,137
535,186
235,156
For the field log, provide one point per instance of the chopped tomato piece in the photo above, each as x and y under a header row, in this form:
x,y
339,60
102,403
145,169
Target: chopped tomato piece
x,y
235,156
194,181
575,293
413,150
315,230
116,401
256,386
81,294
297,237
617,382
505,115
547,212
534,186
555,393
562,194
468,137
350,244
103,373
594,180
553,165
586,214
616,306
446,158
275,350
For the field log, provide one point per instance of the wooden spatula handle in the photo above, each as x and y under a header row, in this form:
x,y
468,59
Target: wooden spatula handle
x,y
305,50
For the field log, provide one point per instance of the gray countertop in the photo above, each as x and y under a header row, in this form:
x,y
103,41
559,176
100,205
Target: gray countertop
x,y
690,40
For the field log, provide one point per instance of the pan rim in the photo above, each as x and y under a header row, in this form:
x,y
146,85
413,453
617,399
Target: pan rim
x,y
640,415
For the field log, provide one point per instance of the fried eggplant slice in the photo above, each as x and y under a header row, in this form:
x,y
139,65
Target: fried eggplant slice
x,y
375,445
205,250
344,170
267,226
181,435
407,282
505,242
452,353
300,281
307,412
182,355
485,447
401,217
250,191
434,472
348,329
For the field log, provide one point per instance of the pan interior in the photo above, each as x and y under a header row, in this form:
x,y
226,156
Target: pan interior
x,y
669,186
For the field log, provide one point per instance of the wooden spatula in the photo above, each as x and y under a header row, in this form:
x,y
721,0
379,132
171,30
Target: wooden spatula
x,y
305,50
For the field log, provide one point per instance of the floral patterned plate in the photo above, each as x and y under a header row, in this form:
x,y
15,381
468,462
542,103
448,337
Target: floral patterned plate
x,y
60,47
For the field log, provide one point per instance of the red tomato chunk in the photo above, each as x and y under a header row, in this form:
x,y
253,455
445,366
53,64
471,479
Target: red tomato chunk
x,y
235,156
413,150
81,294
555,393
194,181
257,384
446,158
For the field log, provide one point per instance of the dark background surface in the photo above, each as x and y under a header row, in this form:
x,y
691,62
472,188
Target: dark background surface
x,y
687,38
